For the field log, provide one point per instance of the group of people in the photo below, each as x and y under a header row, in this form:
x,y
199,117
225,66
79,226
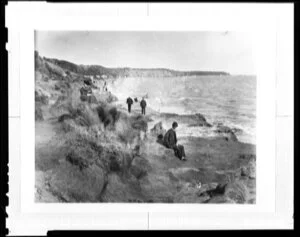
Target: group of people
x,y
169,140
143,104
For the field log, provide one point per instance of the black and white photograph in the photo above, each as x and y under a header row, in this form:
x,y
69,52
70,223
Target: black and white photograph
x,y
145,117
149,116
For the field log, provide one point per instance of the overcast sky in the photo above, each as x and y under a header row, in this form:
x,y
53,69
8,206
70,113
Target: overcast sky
x,y
225,51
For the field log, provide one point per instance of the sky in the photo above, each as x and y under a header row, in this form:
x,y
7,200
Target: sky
x,y
214,51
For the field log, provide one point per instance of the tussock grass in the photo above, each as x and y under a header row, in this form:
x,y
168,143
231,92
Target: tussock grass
x,y
38,112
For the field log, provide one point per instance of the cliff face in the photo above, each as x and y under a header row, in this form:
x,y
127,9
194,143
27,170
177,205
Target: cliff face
x,y
98,70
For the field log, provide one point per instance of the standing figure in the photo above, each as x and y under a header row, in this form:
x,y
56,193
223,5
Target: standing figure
x,y
105,86
129,102
170,141
143,106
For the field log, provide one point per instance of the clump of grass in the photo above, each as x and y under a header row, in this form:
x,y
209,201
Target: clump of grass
x,y
108,115
38,112
41,98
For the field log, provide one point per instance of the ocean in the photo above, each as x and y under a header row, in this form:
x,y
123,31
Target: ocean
x,y
226,100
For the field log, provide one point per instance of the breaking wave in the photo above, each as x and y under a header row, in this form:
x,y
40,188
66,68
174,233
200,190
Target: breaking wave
x,y
230,100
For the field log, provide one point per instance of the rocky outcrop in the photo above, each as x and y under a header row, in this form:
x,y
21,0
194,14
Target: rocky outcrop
x,y
227,132
193,119
158,130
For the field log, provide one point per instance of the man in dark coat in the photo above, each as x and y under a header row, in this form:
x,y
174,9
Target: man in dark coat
x,y
170,141
143,106
129,102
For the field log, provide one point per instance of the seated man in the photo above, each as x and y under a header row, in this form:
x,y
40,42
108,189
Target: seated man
x,y
170,141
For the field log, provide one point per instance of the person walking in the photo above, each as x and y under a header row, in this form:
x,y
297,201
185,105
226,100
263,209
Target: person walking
x,y
170,141
129,102
143,106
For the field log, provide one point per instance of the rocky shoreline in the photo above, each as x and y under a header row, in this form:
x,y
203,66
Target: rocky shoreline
x,y
218,170
94,151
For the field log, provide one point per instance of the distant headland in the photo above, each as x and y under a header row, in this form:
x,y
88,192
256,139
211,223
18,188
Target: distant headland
x,y
101,71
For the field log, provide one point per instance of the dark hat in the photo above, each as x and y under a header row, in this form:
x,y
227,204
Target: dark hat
x,y
174,125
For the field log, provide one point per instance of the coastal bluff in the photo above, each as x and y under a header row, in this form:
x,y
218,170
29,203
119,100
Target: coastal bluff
x,y
98,71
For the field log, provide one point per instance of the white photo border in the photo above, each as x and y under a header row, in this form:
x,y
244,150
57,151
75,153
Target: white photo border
x,y
264,31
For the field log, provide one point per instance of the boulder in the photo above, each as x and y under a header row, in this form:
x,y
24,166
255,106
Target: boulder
x,y
227,132
237,192
223,129
232,137
158,130
249,170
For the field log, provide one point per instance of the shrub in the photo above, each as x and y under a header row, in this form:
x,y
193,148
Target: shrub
x,y
41,97
139,123
108,116
82,149
38,112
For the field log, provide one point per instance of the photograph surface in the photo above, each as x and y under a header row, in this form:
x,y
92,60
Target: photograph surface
x,y
145,117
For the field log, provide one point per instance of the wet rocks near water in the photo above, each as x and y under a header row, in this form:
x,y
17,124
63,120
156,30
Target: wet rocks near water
x,y
223,129
227,132
192,119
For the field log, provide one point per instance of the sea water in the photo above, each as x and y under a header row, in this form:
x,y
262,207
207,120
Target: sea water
x,y
226,100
